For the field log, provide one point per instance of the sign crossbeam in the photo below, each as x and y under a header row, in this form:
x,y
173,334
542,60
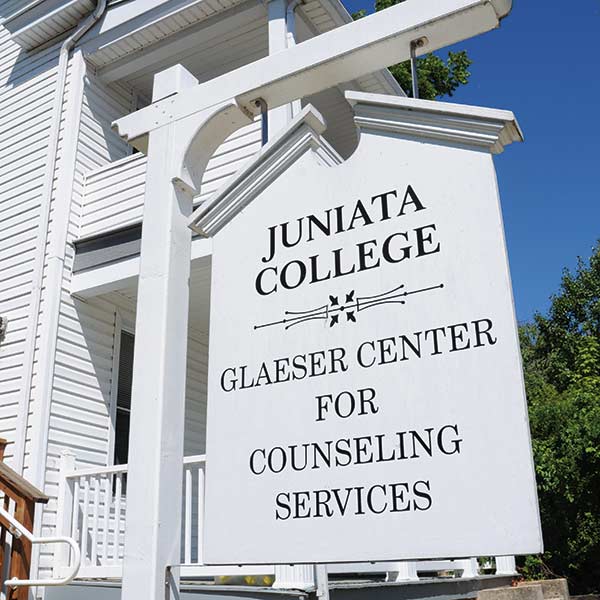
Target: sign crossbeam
x,y
329,59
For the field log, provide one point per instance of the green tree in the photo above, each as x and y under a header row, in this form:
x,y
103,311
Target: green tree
x,y
437,77
561,358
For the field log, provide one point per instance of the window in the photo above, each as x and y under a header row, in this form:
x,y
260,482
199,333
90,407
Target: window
x,y
123,410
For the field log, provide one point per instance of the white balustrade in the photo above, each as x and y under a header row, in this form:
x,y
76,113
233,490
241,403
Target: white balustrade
x,y
91,509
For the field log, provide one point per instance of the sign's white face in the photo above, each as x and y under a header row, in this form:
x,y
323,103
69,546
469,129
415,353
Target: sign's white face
x,y
365,391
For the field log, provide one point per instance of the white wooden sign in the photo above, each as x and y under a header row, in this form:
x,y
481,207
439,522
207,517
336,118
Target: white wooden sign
x,y
365,395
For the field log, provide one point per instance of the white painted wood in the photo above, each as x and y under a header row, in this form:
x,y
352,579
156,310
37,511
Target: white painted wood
x,y
85,509
192,39
460,280
487,128
469,567
278,41
64,511
188,517
79,386
332,58
158,397
95,518
200,511
117,527
107,492
403,571
294,577
505,565
36,23
114,195
110,563
27,85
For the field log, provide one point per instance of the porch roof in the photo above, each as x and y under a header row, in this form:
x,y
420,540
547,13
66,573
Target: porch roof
x,y
129,30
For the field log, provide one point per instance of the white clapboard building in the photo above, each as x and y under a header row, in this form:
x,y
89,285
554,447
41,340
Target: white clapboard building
x,y
71,215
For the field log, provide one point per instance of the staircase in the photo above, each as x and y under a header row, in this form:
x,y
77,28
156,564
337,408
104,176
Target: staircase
x,y
18,501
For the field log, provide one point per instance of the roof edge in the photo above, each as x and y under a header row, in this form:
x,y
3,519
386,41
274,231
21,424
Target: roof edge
x,y
488,128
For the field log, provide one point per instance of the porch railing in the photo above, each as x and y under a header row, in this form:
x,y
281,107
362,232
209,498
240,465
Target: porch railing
x,y
92,505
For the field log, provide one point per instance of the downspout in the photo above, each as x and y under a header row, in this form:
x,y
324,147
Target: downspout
x,y
54,273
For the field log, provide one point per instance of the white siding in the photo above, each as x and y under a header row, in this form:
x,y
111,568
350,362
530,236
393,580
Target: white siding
x,y
27,84
195,401
114,195
79,418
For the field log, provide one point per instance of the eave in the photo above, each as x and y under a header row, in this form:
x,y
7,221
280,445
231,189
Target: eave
x,y
40,21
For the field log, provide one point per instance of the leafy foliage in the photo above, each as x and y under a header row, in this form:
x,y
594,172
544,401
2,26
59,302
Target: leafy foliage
x,y
436,77
561,356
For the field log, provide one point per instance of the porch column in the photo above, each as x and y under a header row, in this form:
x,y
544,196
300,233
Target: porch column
x,y
154,486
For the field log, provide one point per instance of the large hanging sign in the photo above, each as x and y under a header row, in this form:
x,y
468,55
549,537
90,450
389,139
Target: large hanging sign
x,y
365,397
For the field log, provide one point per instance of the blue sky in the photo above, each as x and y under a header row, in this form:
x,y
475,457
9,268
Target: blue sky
x,y
543,63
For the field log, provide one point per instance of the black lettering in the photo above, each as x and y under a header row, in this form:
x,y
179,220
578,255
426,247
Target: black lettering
x,y
398,502
479,332
364,253
458,336
271,245
422,495
383,201
410,197
259,282
385,249
285,278
323,503
252,468
325,228
359,355
423,239
370,499
231,382
359,213
279,500
455,442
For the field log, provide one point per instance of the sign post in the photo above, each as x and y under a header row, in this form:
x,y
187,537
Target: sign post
x,y
366,400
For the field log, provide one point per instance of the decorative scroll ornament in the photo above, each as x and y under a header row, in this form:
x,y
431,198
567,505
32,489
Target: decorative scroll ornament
x,y
334,310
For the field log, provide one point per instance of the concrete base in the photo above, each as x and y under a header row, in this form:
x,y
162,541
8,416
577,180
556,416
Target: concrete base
x,y
522,592
552,589
424,589
95,590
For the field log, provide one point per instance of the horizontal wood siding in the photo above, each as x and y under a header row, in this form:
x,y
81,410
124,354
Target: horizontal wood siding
x,y
81,392
27,86
196,393
114,194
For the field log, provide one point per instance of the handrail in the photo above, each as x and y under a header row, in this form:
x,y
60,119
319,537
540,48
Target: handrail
x,y
18,530
112,470
122,469
198,458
